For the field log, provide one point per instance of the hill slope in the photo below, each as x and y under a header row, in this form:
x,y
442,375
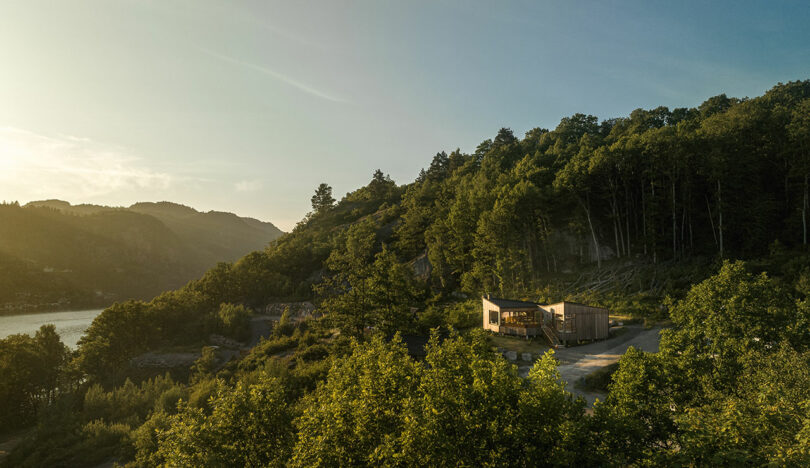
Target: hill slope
x,y
56,255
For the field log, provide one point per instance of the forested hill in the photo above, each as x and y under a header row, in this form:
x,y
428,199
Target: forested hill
x,y
56,255
727,179
618,212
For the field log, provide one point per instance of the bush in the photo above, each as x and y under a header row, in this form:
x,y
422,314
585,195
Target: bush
x,y
285,326
128,403
145,439
249,425
313,353
264,350
100,435
234,321
465,314
201,393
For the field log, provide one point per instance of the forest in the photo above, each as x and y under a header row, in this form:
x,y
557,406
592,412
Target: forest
x,y
694,217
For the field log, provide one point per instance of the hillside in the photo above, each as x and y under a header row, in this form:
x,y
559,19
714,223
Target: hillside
x,y
56,255
620,213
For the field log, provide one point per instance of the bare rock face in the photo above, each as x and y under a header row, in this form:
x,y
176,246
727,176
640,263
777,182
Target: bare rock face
x,y
511,355
225,342
298,310
164,361
422,267
526,356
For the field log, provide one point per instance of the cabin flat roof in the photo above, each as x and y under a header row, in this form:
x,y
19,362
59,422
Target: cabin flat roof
x,y
574,303
510,304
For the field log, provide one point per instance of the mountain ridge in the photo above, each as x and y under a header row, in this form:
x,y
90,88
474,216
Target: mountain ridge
x,y
55,255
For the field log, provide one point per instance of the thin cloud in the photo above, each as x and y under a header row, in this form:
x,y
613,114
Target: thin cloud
x,y
37,165
279,76
248,186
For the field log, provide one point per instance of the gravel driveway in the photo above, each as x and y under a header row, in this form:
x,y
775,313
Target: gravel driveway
x,y
579,361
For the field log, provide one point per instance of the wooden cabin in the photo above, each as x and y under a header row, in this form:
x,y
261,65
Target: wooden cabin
x,y
573,322
564,322
510,317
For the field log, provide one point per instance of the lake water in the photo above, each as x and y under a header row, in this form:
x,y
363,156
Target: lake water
x,y
70,325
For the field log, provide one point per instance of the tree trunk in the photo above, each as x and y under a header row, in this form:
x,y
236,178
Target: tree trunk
x,y
619,225
674,226
644,217
655,238
683,225
593,232
691,237
627,218
804,213
616,227
616,236
711,219
720,216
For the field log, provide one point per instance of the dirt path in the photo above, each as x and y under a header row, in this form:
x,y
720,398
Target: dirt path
x,y
579,361
583,364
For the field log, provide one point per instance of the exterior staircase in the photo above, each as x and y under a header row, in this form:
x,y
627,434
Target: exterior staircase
x,y
552,338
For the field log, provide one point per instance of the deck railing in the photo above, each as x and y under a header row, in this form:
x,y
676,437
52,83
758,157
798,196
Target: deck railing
x,y
520,330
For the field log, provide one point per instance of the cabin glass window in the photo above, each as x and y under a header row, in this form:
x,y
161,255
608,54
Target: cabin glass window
x,y
493,317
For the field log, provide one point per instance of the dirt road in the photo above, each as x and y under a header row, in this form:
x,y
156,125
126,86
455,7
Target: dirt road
x,y
579,361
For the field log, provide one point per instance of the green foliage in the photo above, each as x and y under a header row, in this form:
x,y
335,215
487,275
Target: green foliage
x,y
33,371
128,329
356,416
636,420
91,428
322,200
463,315
285,326
234,321
204,367
249,425
367,288
727,387
759,423
725,316
467,409
145,439
464,407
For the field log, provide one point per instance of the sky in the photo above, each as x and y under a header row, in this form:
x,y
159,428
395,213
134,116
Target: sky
x,y
246,106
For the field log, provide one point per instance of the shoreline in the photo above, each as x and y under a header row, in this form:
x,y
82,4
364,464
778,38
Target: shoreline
x,y
38,311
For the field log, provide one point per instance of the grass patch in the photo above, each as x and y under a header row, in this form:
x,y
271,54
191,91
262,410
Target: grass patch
x,y
520,345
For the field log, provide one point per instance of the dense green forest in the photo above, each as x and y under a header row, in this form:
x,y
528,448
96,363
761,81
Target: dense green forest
x,y
693,216
54,255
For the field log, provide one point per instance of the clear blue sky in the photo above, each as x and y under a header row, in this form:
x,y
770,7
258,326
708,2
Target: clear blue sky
x,y
247,106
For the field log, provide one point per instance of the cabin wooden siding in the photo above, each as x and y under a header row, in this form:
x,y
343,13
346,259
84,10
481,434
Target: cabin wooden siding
x,y
577,322
570,321
488,308
502,314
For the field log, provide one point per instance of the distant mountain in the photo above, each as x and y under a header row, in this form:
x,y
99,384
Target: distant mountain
x,y
57,255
